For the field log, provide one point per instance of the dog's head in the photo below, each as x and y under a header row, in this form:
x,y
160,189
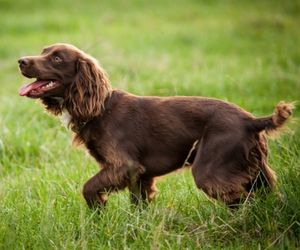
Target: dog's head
x,y
63,71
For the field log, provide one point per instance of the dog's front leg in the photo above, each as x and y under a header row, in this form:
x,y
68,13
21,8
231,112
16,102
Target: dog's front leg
x,y
110,179
100,185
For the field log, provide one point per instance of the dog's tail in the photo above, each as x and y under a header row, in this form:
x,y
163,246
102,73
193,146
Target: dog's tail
x,y
272,123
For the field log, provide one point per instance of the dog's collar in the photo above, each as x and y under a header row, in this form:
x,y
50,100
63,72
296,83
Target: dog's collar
x,y
79,126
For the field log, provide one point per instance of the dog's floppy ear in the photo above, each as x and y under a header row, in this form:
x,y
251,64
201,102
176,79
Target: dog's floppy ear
x,y
86,95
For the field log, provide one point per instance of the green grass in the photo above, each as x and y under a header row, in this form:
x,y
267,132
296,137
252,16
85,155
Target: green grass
x,y
246,52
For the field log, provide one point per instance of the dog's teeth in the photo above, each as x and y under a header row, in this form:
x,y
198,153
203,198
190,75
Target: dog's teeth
x,y
48,85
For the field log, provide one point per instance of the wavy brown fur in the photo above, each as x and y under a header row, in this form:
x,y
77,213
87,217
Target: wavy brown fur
x,y
85,97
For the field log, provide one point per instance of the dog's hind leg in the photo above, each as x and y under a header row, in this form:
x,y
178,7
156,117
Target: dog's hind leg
x,y
220,168
258,155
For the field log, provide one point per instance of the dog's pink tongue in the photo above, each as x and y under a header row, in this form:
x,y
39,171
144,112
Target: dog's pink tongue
x,y
35,85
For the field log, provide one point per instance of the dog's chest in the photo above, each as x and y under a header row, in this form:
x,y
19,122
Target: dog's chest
x,y
65,118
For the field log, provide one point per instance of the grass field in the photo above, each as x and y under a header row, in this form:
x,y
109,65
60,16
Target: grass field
x,y
246,52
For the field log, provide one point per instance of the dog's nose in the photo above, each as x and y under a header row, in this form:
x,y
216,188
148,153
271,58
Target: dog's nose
x,y
23,62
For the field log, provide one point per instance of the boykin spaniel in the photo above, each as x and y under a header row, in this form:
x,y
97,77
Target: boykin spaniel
x,y
137,138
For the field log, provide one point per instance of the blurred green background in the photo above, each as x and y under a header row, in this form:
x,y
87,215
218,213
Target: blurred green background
x,y
246,52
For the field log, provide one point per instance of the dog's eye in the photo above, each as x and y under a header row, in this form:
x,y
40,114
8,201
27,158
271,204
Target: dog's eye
x,y
57,59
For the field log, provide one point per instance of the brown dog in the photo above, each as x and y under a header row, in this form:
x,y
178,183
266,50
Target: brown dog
x,y
136,139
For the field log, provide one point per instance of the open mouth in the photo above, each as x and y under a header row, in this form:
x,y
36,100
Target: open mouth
x,y
38,88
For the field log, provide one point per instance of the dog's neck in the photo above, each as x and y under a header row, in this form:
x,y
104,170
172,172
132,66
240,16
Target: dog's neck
x,y
69,122
55,106
78,125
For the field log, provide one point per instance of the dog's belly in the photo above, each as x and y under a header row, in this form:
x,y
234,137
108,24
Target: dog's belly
x,y
162,166
159,163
